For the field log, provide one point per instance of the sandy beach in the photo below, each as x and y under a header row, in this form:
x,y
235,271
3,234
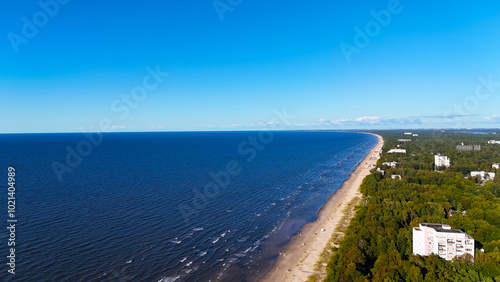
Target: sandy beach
x,y
296,261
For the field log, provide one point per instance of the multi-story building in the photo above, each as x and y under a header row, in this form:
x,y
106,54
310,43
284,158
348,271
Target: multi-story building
x,y
468,147
440,239
494,142
441,161
495,166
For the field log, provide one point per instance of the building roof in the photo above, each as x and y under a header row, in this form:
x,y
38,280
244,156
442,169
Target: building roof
x,y
442,227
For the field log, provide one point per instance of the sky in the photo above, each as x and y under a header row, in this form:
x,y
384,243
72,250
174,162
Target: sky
x,y
71,66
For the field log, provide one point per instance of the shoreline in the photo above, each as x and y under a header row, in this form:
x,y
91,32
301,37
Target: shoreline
x,y
297,260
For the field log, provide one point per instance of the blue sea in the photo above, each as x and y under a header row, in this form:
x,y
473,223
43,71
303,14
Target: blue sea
x,y
170,206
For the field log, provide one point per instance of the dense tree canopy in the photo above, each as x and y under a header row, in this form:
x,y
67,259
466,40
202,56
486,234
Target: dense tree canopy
x,y
378,242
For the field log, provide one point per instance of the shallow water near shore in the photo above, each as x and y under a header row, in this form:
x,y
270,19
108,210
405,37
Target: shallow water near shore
x,y
138,207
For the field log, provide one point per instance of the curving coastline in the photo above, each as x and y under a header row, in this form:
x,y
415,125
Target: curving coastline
x,y
296,261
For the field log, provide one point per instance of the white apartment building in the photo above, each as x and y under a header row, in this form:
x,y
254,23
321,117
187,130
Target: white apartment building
x,y
440,239
494,142
391,164
441,161
402,151
483,174
495,166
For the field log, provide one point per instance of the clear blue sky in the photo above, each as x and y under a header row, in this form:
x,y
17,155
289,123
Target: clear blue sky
x,y
230,69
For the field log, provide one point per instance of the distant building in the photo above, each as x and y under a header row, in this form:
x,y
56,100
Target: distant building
x,y
391,164
404,140
463,147
494,142
440,239
408,133
396,176
415,135
483,174
495,166
441,161
403,151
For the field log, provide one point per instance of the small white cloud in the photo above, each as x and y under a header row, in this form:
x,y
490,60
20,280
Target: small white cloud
x,y
370,120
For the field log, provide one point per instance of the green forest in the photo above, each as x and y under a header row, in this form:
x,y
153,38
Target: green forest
x,y
378,242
